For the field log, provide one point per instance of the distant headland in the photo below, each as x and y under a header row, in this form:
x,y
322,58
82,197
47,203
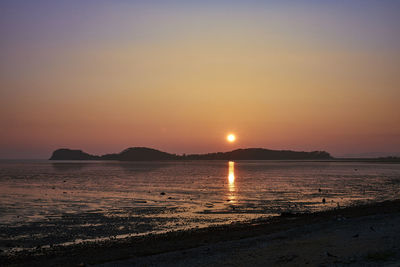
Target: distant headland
x,y
149,154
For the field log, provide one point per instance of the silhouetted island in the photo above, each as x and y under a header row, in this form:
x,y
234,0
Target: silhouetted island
x,y
149,154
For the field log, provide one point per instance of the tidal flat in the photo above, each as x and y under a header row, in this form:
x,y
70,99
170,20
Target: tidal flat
x,y
365,235
51,207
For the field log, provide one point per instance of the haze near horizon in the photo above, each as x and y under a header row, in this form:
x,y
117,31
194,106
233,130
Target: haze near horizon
x,y
180,76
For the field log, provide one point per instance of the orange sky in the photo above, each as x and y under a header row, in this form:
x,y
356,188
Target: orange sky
x,y
104,76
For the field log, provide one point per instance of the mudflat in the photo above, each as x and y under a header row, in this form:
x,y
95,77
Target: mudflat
x,y
366,235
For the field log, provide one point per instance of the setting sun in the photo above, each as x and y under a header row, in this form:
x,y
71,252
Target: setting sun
x,y
231,138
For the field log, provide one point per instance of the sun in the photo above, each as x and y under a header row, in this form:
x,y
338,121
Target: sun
x,y
231,138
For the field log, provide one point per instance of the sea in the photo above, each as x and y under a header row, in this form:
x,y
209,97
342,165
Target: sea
x,y
46,203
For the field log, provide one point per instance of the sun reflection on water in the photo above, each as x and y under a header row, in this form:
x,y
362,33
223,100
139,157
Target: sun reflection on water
x,y
231,181
231,174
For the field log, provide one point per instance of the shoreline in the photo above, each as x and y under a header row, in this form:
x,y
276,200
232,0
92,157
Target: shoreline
x,y
136,249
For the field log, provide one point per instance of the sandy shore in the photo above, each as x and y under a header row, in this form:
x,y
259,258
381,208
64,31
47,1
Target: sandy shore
x,y
366,235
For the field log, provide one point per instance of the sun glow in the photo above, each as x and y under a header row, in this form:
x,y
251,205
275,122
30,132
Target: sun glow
x,y
231,138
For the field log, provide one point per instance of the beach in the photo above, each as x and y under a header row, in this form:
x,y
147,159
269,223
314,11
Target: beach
x,y
365,235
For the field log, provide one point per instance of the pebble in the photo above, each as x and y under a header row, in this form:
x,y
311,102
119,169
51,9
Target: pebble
x,y
330,255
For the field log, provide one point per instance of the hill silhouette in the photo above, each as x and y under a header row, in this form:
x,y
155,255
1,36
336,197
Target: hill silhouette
x,y
70,154
150,154
261,154
140,154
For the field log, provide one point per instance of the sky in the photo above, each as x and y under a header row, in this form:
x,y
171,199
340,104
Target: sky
x,y
179,76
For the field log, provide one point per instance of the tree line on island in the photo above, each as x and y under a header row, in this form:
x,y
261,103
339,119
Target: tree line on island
x,y
149,154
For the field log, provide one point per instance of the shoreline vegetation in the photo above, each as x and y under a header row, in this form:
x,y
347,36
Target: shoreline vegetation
x,y
367,235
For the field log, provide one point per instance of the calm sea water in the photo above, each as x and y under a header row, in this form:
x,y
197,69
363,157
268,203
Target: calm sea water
x,y
43,202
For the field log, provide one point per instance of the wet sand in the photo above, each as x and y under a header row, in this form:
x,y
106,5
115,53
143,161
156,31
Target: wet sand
x,y
367,235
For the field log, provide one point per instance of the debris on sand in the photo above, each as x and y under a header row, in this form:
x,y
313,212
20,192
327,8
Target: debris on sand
x,y
330,255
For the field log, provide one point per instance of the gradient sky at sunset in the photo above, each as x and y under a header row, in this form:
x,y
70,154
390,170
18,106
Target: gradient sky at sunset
x,y
180,75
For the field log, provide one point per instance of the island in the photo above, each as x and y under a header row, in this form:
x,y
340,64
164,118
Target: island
x,y
150,154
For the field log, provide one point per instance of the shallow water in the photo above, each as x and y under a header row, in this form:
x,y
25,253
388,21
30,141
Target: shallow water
x,y
44,202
